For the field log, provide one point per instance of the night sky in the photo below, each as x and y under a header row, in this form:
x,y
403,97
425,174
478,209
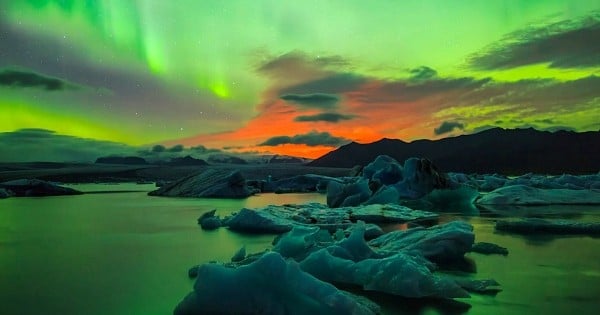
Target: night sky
x,y
289,77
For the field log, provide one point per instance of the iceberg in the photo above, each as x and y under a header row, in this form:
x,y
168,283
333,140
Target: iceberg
x,y
269,285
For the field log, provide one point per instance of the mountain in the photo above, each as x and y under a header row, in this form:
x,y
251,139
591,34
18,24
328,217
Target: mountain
x,y
497,150
129,160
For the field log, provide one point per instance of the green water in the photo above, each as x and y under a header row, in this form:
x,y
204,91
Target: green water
x,y
127,253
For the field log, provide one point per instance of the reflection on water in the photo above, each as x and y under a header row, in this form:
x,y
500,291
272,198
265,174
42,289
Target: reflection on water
x,y
127,253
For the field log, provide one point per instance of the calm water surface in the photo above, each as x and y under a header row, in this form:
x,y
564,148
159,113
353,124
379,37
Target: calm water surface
x,y
128,253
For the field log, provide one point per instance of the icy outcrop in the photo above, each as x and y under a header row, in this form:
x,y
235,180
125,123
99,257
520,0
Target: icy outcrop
x,y
441,243
352,261
400,274
386,181
531,196
269,285
208,220
280,219
541,226
35,188
211,183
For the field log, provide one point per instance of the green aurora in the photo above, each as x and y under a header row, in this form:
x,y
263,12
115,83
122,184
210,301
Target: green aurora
x,y
215,72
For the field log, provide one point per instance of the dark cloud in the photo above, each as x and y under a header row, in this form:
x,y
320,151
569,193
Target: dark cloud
x,y
538,95
318,100
29,145
297,61
327,117
26,79
448,126
331,84
176,148
567,44
202,149
422,73
312,139
406,91
158,148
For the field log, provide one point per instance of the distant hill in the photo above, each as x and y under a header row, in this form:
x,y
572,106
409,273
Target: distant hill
x,y
129,160
186,161
226,159
497,150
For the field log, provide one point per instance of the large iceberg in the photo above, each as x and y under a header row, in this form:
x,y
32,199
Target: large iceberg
x,y
269,285
444,243
386,181
531,196
211,183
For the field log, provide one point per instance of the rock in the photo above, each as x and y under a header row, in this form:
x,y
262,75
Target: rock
x,y
239,255
5,193
208,220
489,248
541,226
530,196
269,285
440,244
211,183
420,177
36,188
487,286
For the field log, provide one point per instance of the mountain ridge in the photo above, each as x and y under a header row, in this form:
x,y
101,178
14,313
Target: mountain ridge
x,y
496,150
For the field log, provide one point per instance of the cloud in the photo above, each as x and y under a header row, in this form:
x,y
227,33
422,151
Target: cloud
x,y
566,44
25,79
318,100
448,126
327,117
176,148
422,73
158,148
29,145
332,84
312,139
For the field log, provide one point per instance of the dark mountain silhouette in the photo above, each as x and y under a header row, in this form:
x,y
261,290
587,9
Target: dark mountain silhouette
x,y
186,161
497,150
129,160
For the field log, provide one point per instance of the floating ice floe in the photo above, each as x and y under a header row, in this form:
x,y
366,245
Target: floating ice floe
x,y
542,226
268,285
34,188
280,219
531,196
489,248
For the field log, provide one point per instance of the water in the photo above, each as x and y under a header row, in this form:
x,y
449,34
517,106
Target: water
x,y
127,253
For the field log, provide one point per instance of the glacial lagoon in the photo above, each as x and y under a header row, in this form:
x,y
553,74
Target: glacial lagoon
x,y
116,250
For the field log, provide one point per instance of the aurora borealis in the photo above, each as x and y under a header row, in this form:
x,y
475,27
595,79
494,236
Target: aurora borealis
x,y
295,77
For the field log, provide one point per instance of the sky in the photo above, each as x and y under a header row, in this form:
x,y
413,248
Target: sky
x,y
288,77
